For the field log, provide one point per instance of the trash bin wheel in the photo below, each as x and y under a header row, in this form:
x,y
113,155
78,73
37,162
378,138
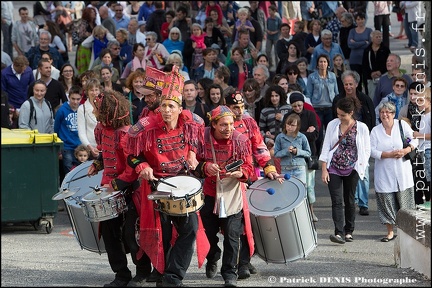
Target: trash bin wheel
x,y
48,227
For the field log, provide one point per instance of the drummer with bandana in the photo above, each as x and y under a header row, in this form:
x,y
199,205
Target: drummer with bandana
x,y
165,145
112,112
224,146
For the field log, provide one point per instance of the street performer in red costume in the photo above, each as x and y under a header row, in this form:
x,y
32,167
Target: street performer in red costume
x,y
165,145
152,89
224,146
247,125
112,112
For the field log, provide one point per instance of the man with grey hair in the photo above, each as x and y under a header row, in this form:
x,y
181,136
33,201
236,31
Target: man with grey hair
x,y
326,47
385,83
261,74
106,20
35,52
135,36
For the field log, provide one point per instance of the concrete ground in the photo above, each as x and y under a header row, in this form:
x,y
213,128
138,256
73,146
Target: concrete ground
x,y
32,257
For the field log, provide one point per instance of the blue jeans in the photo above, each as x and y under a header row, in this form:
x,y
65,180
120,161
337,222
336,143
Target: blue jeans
x,y
69,160
362,191
296,171
310,185
411,30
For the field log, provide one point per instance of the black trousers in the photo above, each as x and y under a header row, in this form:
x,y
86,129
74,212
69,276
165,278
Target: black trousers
x,y
342,192
119,238
179,256
232,228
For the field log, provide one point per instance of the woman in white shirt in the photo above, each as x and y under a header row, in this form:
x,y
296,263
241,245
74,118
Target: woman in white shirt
x,y
86,119
394,184
345,157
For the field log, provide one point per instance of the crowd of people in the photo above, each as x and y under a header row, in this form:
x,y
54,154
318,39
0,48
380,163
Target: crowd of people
x,y
166,88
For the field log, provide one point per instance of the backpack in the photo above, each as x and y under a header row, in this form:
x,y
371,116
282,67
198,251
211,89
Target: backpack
x,y
33,112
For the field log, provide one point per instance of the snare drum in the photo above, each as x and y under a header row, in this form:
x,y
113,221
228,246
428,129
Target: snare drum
x,y
186,198
86,233
103,204
281,223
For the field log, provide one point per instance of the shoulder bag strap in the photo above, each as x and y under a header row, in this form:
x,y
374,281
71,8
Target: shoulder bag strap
x,y
343,136
401,133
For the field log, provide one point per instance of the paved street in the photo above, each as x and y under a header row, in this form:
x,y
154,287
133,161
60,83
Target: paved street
x,y
32,257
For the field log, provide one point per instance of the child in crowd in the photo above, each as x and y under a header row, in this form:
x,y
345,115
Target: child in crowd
x,y
242,21
82,153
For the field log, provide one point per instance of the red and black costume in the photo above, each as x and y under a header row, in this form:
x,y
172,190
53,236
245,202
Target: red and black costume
x,y
113,161
226,151
166,151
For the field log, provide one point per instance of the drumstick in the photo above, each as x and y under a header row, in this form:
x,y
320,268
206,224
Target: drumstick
x,y
162,181
85,175
270,191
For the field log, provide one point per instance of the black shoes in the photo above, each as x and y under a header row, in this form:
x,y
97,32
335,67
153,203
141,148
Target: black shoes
x,y
337,239
154,276
211,269
230,283
252,269
243,272
117,283
137,281
364,211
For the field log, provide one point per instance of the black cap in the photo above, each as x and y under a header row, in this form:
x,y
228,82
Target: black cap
x,y
296,96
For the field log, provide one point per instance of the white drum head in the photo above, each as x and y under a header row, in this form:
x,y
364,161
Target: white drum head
x,y
288,195
83,184
186,185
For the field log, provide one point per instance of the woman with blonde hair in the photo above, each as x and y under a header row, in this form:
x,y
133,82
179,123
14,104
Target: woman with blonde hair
x,y
176,58
174,41
97,42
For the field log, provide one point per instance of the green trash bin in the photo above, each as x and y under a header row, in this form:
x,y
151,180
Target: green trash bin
x,y
30,178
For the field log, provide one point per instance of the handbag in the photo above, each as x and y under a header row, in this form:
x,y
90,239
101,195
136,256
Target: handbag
x,y
312,162
411,155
